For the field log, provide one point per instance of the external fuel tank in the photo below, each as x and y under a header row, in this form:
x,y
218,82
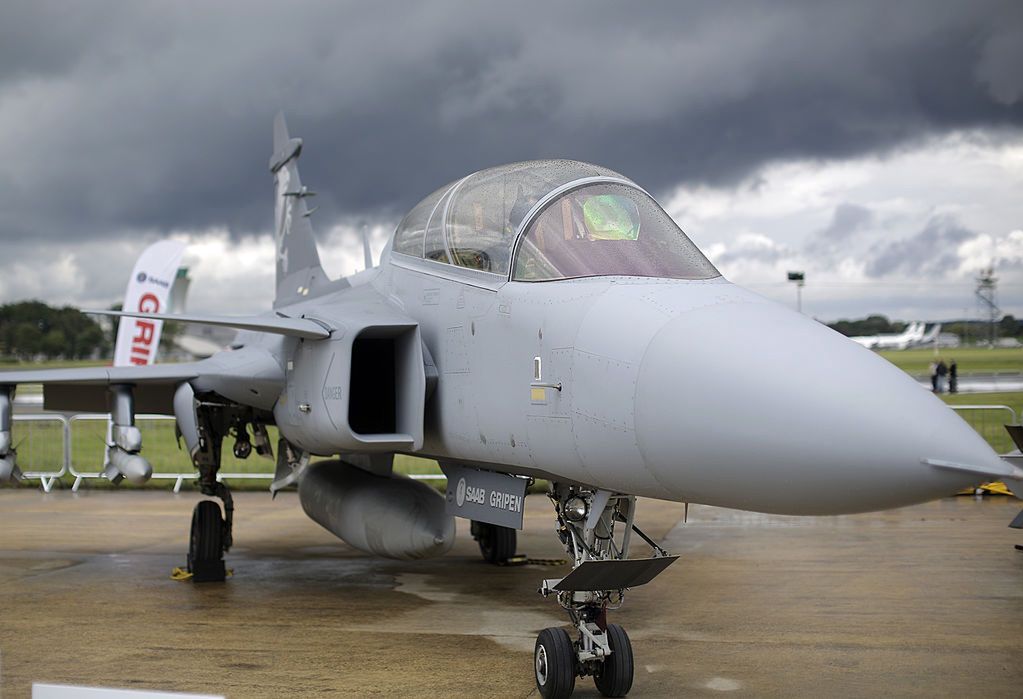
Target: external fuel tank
x,y
391,516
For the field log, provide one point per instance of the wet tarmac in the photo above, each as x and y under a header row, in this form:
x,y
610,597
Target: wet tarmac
x,y
924,601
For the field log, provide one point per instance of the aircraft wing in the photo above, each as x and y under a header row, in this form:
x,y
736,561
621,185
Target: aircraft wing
x,y
85,389
104,375
274,324
249,375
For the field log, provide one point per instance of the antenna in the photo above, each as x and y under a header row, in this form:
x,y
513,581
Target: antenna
x,y
367,253
987,293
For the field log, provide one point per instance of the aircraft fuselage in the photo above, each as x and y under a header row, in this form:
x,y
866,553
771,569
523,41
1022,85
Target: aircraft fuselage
x,y
696,391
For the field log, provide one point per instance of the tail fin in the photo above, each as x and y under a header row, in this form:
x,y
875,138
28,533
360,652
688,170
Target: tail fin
x,y
298,262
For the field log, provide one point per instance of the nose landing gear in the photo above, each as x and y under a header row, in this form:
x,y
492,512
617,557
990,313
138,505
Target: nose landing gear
x,y
600,575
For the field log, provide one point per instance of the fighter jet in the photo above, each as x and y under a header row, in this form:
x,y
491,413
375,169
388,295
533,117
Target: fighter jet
x,y
540,320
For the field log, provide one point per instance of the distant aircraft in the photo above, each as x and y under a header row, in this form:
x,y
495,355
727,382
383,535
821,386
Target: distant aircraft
x,y
930,337
544,319
909,337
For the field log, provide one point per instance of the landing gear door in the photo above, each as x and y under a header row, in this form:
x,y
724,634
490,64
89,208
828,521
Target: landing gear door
x,y
485,496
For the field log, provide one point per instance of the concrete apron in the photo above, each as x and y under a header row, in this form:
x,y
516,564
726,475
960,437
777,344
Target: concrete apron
x,y
922,601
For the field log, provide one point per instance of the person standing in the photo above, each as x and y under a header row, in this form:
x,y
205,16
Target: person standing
x,y
953,377
942,372
933,369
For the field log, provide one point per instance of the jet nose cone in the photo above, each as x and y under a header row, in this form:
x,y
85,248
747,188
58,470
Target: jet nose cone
x,y
750,405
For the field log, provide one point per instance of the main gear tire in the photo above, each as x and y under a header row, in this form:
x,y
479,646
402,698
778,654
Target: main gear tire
x,y
497,544
206,543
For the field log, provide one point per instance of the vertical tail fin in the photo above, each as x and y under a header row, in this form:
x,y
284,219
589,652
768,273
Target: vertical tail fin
x,y
298,262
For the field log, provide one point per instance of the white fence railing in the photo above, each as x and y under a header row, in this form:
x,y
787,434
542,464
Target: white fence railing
x,y
52,445
989,421
39,454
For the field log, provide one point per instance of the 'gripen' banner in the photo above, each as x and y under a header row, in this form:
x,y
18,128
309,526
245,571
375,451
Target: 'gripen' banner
x,y
148,291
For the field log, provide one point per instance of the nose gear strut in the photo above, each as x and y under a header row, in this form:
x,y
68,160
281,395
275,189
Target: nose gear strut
x,y
600,576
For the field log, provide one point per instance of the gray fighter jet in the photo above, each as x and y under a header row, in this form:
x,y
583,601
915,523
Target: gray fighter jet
x,y
541,320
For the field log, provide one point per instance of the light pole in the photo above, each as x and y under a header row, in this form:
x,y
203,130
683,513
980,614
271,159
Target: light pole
x,y
800,279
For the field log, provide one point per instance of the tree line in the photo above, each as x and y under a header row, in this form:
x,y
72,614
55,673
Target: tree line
x,y
1009,326
34,330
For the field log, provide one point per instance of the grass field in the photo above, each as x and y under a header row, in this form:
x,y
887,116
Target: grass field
x,y
969,359
990,423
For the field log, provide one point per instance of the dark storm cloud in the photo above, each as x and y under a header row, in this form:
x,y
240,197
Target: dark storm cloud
x,y
846,220
835,238
932,251
156,116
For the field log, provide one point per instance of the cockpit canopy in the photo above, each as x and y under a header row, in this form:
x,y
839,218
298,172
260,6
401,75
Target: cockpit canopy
x,y
549,219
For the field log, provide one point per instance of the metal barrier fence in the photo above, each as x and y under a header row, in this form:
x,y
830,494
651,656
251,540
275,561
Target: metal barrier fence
x,y
989,421
44,440
77,444
158,444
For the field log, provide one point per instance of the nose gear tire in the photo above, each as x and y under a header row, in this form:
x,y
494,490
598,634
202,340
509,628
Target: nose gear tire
x,y
615,677
554,663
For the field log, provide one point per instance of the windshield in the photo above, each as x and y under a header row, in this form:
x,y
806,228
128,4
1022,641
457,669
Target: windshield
x,y
607,229
472,222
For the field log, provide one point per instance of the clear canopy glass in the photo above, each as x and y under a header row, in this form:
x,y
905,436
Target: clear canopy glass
x,y
472,222
593,229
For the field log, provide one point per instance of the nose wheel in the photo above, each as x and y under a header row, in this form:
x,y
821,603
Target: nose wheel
x,y
556,664
614,676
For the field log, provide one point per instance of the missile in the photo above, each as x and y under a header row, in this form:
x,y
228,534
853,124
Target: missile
x,y
127,466
9,471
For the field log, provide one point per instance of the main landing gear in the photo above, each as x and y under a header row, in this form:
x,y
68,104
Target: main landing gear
x,y
497,543
203,423
206,543
211,534
600,575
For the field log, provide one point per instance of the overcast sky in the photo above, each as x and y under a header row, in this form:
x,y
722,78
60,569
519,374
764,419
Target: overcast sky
x,y
877,146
